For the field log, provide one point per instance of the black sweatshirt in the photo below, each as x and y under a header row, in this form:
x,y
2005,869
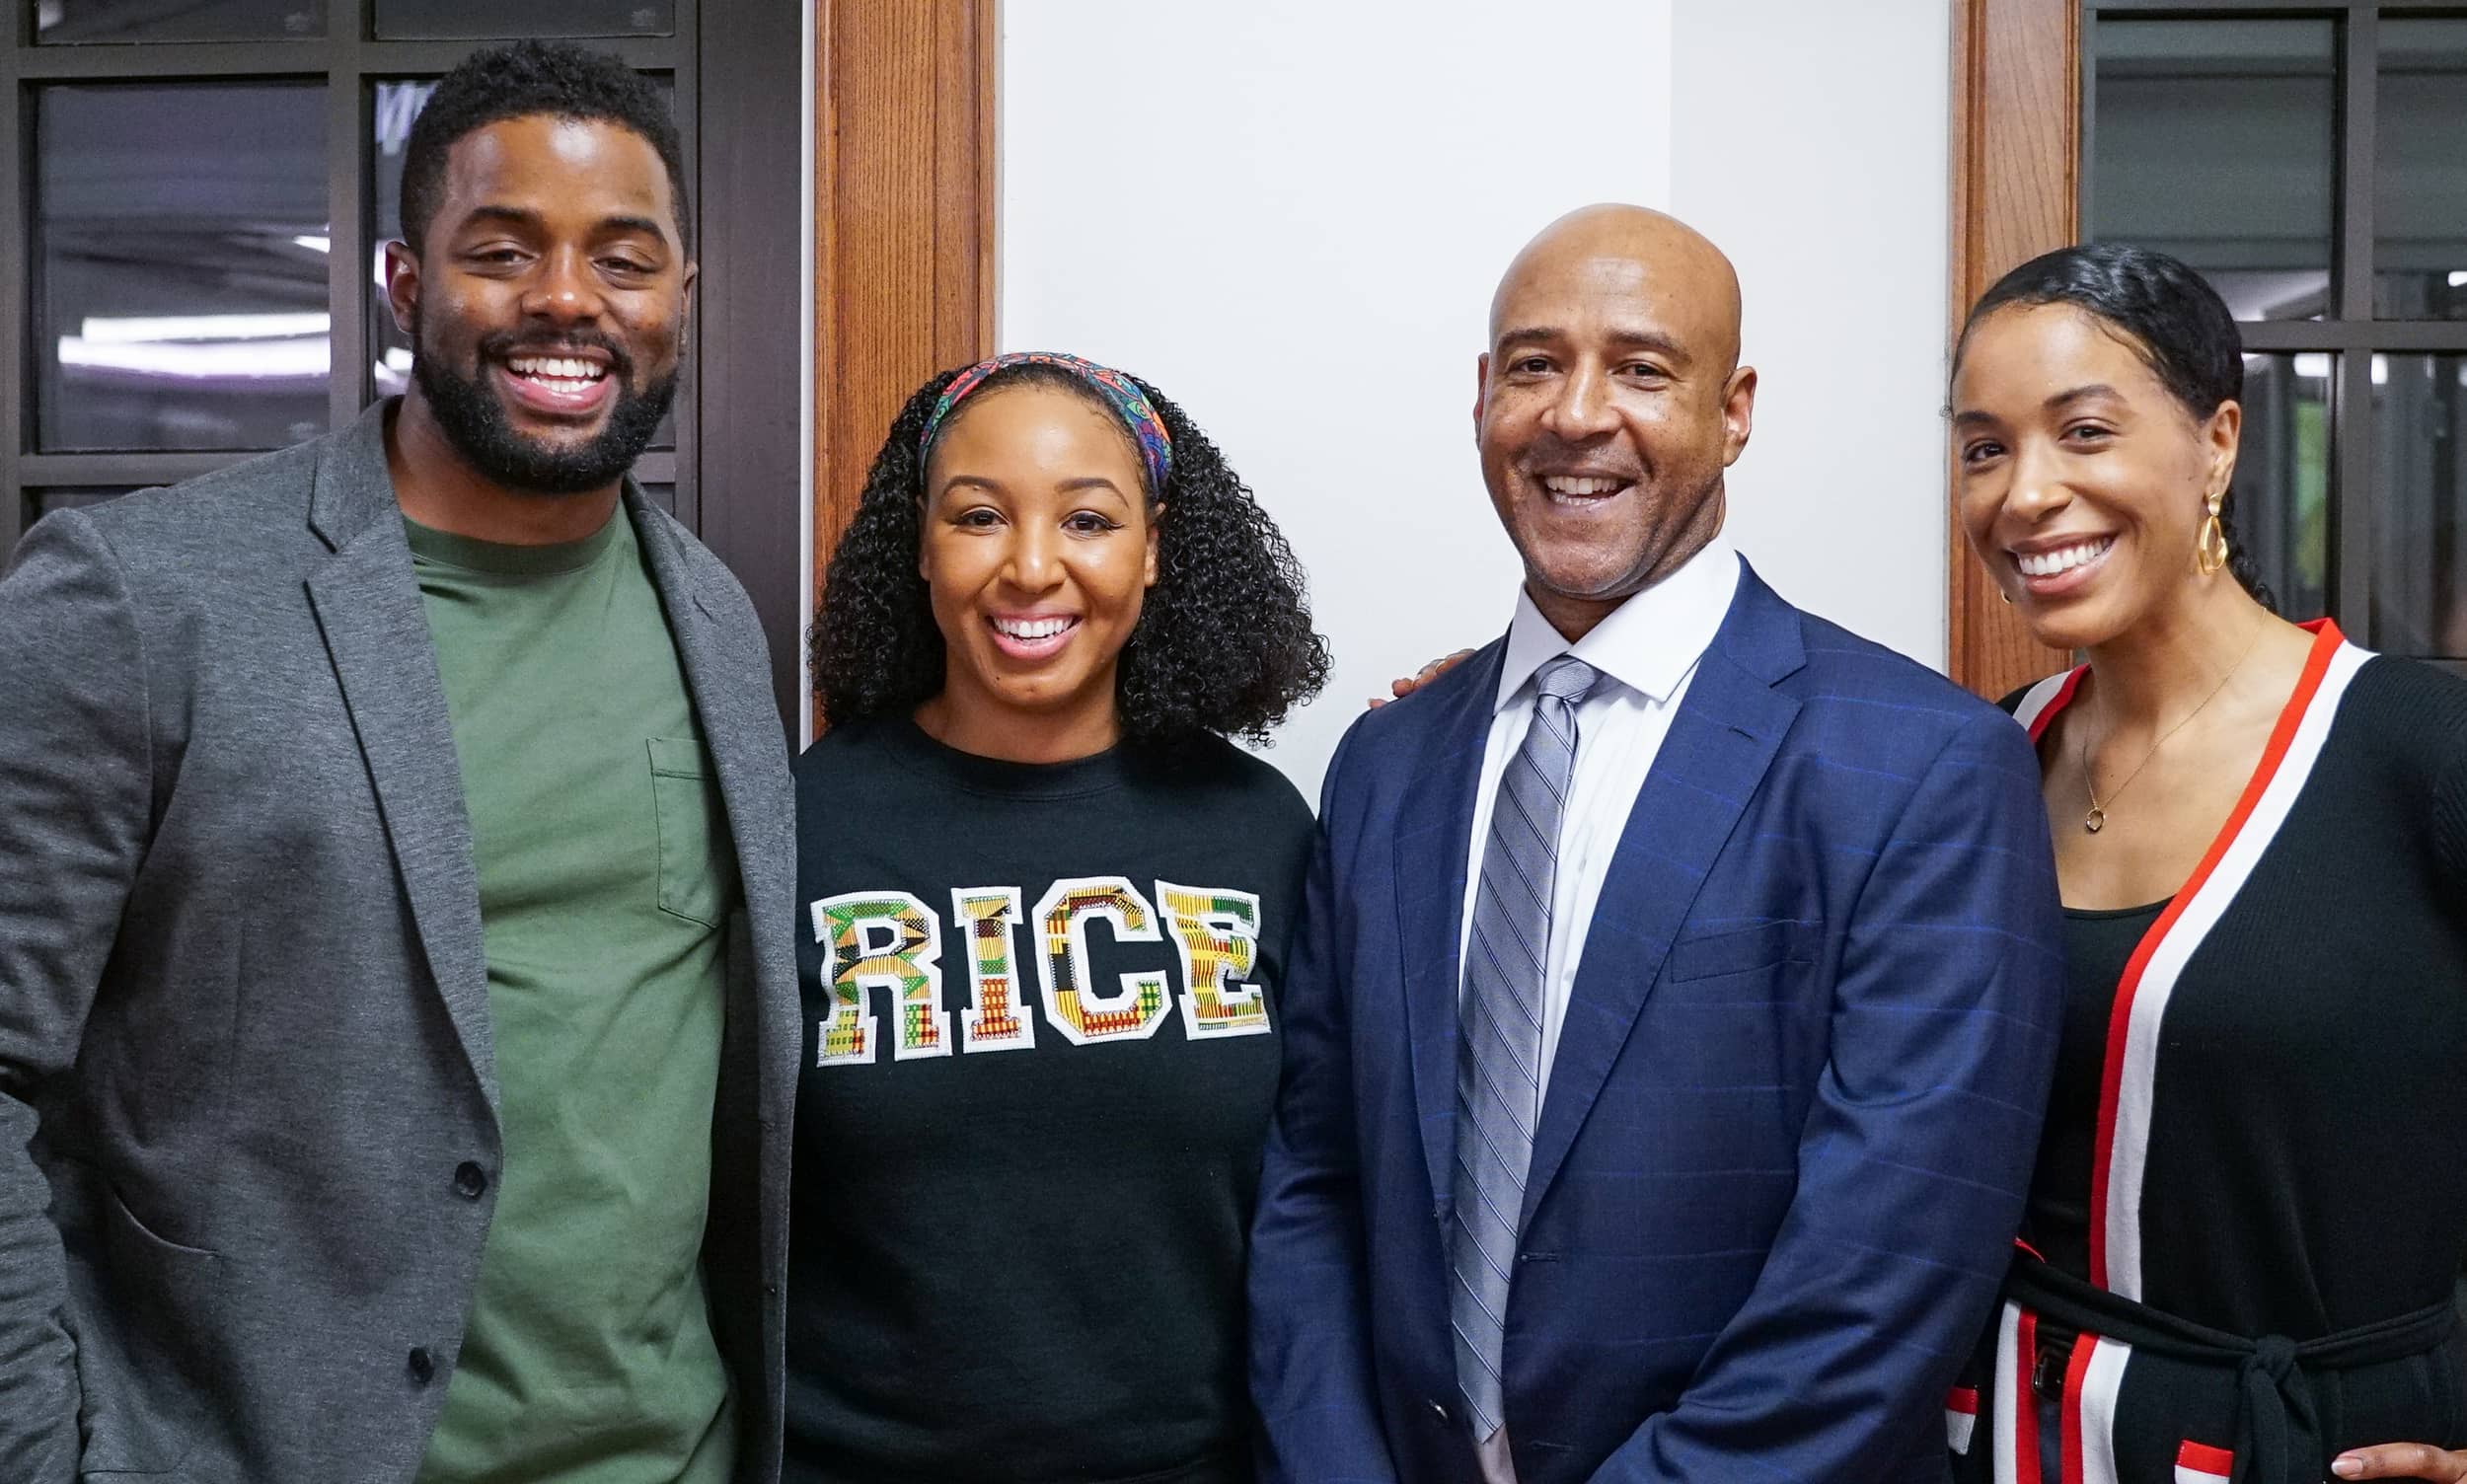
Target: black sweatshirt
x,y
1030,1115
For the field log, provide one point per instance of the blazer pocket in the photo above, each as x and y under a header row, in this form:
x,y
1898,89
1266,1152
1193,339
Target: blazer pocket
x,y
144,1302
693,860
1739,950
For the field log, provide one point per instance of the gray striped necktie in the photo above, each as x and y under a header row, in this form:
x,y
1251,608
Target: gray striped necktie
x,y
1499,1050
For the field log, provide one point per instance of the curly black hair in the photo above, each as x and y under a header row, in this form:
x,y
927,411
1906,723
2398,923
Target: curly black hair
x,y
517,81
1224,641
2170,316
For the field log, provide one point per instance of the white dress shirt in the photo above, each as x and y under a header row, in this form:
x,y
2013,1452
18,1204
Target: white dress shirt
x,y
1646,651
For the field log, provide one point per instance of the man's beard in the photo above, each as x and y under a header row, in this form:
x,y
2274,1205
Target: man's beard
x,y
475,422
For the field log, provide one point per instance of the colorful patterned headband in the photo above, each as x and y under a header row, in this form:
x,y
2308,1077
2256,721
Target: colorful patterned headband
x,y
1119,392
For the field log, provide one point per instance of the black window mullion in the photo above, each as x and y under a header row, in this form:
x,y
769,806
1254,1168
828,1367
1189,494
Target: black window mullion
x,y
2359,82
16,303
687,101
2276,336
346,228
174,60
2352,407
2351,488
2224,10
133,469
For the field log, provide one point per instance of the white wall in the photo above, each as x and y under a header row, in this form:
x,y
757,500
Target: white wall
x,y
1810,138
1295,226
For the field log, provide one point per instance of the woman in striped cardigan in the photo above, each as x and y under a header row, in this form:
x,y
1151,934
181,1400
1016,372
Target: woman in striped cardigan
x,y
2251,1201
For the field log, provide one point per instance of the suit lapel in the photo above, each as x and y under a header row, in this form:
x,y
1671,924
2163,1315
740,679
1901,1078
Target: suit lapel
x,y
1431,864
376,627
1720,743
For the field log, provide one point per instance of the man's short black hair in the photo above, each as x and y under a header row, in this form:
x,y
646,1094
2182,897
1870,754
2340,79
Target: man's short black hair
x,y
527,78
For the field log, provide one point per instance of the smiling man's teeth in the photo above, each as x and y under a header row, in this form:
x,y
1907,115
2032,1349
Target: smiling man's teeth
x,y
1034,628
555,367
1570,484
2063,558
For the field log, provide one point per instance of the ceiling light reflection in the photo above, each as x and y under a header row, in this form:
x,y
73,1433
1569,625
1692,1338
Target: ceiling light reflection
x,y
154,328
306,357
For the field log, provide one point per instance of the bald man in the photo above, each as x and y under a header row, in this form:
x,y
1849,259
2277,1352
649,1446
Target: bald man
x,y
1675,992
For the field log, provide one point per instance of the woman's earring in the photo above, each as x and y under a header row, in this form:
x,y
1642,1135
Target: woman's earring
x,y
2007,596
2210,553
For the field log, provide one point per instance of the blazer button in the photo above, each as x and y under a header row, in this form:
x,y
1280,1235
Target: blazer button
x,y
1441,1414
470,1181
423,1368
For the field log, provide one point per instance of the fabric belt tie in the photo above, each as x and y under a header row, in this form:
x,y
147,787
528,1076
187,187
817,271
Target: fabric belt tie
x,y
2278,1427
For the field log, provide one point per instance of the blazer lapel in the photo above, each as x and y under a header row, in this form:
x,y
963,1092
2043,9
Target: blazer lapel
x,y
733,722
681,600
740,723
376,627
1719,746
1432,848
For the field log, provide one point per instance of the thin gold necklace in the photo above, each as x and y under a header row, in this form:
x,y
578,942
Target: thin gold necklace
x,y
2096,820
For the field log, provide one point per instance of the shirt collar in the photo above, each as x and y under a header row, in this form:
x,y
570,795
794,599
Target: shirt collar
x,y
1647,643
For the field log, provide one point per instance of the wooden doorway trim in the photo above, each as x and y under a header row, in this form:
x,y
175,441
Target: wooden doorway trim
x,y
904,233
2016,157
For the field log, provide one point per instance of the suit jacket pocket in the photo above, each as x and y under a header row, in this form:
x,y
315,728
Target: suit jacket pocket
x,y
1739,950
141,1305
693,859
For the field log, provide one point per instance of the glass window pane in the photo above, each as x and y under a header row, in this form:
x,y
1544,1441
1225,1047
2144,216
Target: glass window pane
x,y
2280,500
2213,140
2420,510
180,254
477,19
398,101
2420,182
76,22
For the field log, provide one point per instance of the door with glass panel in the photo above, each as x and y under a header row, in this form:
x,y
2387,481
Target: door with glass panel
x,y
196,195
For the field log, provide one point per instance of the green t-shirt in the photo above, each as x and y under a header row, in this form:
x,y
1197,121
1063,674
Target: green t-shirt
x,y
606,879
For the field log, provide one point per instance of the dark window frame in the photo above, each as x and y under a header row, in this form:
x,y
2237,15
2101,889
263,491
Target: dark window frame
x,y
2350,332
735,468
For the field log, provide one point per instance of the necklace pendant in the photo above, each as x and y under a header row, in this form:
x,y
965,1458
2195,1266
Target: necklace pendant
x,y
2094,821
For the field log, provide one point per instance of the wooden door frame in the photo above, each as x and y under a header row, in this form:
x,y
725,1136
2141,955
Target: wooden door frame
x,y
2016,152
904,265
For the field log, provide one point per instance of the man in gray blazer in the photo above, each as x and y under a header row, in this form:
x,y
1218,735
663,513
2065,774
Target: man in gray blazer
x,y
398,1017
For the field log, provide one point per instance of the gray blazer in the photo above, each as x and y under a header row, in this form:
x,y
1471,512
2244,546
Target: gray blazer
x,y
244,1010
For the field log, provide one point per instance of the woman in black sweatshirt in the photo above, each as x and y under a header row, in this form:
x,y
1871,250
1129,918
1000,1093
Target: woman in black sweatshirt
x,y
1048,904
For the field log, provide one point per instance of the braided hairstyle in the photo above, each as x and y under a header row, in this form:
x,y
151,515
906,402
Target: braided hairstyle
x,y
1224,641
2172,319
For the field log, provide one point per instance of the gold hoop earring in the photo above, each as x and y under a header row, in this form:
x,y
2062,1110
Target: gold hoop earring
x,y
2210,553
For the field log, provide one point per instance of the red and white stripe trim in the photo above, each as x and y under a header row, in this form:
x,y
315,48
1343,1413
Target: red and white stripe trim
x,y
2041,702
2094,1379
2014,1419
2200,1463
1961,1418
2092,1383
2128,1089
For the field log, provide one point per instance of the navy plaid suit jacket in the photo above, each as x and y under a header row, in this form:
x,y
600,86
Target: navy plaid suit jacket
x,y
1792,1118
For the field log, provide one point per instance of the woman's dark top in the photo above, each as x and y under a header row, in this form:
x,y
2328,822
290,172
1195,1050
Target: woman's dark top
x,y
1039,1064
2252,1189
2097,944
2305,1164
